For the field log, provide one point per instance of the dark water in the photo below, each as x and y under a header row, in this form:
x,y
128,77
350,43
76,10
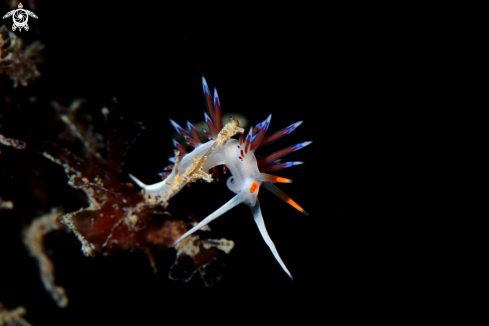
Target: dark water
x,y
341,73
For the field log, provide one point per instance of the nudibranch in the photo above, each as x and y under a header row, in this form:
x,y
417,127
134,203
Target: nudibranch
x,y
249,171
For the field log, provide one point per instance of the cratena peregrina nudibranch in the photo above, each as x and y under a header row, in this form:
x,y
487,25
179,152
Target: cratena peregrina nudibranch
x,y
249,171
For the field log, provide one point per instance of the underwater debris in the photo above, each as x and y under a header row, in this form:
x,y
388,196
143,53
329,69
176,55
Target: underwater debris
x,y
33,238
195,254
17,62
18,144
116,217
75,126
13,317
119,218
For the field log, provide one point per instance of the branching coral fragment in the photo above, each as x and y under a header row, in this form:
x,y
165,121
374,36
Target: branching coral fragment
x,y
12,142
33,238
20,65
13,317
79,127
229,130
195,172
196,254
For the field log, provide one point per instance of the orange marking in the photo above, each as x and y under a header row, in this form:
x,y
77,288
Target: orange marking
x,y
283,180
294,204
253,187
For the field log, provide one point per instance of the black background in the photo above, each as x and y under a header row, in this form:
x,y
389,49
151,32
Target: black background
x,y
346,72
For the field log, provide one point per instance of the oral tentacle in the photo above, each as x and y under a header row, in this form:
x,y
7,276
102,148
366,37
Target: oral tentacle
x,y
236,200
263,230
